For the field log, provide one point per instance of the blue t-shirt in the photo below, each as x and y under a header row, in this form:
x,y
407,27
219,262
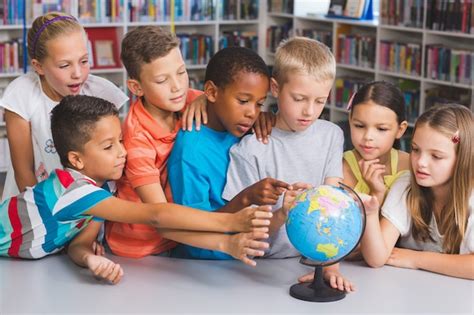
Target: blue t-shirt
x,y
197,170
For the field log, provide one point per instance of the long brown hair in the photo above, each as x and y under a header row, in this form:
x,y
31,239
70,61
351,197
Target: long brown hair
x,y
451,120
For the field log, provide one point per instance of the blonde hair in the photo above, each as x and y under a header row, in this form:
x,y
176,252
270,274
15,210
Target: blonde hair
x,y
457,123
48,27
305,56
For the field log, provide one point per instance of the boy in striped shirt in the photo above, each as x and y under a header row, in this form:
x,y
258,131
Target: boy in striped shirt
x,y
67,208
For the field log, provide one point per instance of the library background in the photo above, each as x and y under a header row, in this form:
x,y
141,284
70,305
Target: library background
x,y
426,47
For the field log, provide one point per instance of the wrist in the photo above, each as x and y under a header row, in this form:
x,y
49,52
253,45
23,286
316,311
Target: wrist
x,y
223,245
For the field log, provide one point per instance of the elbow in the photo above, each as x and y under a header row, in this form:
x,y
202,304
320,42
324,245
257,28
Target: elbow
x,y
156,217
374,262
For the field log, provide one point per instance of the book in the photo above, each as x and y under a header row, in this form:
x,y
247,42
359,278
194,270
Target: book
x,y
104,47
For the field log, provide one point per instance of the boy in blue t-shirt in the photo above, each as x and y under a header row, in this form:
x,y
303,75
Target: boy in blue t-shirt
x,y
68,207
236,86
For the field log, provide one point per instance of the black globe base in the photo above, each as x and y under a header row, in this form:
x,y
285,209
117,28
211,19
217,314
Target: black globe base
x,y
317,291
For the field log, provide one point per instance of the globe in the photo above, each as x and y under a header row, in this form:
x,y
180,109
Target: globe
x,y
326,223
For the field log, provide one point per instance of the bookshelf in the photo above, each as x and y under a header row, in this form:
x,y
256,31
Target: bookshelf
x,y
402,33
221,22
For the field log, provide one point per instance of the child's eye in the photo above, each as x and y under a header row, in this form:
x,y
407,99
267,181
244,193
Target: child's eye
x,y
297,99
108,147
358,126
85,61
242,101
382,129
437,157
416,150
182,72
63,66
161,81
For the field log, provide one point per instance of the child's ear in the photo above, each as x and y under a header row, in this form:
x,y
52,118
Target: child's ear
x,y
37,66
274,88
401,129
210,89
135,87
75,160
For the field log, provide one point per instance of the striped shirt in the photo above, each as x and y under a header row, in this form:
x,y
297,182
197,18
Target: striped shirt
x,y
44,218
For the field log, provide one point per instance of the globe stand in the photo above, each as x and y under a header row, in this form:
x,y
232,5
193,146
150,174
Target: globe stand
x,y
318,290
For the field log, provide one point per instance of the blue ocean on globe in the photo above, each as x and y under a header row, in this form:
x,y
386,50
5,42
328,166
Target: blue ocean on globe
x,y
325,224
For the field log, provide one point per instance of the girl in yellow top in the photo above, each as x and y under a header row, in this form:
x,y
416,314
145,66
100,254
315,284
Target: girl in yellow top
x,y
377,121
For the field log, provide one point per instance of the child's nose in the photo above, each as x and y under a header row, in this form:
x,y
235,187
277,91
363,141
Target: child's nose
x,y
175,84
77,71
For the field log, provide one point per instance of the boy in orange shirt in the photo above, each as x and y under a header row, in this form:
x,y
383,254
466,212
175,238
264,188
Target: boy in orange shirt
x,y
158,77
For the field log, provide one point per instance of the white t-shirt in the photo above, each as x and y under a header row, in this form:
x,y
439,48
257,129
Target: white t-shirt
x,y
25,97
396,211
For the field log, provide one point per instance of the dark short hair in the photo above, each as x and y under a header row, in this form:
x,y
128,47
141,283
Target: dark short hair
x,y
384,94
143,45
228,62
74,119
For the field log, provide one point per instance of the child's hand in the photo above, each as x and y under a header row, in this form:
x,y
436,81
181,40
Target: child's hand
x,y
265,192
372,172
332,275
252,219
336,280
371,204
403,258
98,248
103,268
263,126
291,195
243,245
196,111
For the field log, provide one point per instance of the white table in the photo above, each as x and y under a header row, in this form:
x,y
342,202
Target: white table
x,y
164,285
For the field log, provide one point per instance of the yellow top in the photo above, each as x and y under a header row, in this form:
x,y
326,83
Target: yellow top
x,y
361,186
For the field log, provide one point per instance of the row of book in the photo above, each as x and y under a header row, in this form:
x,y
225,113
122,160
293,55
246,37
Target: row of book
x,y
447,64
408,13
238,38
229,9
356,50
87,11
320,35
160,10
277,33
450,15
196,49
400,58
280,6
11,56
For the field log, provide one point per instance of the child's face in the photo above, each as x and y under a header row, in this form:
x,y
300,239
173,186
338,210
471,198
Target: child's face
x,y
301,101
164,83
238,104
374,129
66,66
433,157
103,156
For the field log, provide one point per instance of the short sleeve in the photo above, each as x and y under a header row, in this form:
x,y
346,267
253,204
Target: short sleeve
x,y
395,207
77,199
240,173
103,88
141,167
188,185
18,97
334,165
467,244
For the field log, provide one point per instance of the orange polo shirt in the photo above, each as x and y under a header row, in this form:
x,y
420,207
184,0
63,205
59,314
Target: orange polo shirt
x,y
148,148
